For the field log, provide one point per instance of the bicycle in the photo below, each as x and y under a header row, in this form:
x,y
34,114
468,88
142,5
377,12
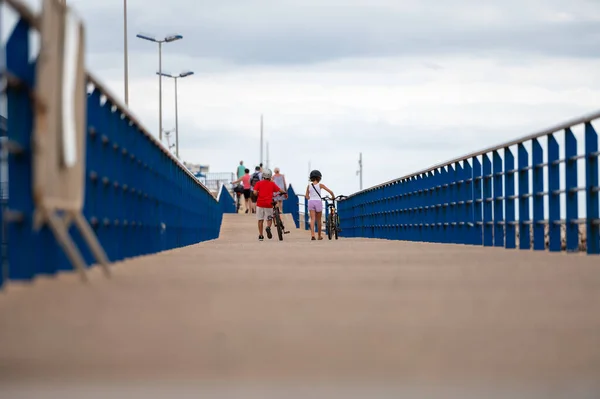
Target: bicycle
x,y
333,219
238,189
277,220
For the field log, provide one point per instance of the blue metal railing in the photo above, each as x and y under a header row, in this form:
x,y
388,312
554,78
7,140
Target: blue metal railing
x,y
534,191
290,205
139,199
226,201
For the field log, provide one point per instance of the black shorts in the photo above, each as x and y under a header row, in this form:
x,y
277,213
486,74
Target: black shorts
x,y
247,193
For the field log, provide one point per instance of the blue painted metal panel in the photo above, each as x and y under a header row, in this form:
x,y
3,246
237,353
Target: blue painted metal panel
x,y
498,200
290,205
538,196
572,205
469,214
524,192
23,243
138,200
482,199
226,201
477,238
509,189
553,194
488,230
591,190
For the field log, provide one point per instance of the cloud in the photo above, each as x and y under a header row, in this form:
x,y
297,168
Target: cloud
x,y
290,32
262,32
407,83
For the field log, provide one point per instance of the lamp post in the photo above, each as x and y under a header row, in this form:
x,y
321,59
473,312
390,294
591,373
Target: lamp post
x,y
175,77
167,135
167,39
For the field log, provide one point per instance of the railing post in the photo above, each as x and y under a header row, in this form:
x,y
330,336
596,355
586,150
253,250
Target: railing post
x,y
498,200
538,197
524,195
509,178
469,209
411,209
306,215
445,202
591,190
554,226
429,229
450,188
572,205
436,229
418,203
477,202
488,231
459,201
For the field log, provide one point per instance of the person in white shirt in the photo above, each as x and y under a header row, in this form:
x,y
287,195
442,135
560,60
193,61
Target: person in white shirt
x,y
279,179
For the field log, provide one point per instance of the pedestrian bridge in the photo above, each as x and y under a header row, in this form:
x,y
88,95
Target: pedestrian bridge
x,y
118,265
239,311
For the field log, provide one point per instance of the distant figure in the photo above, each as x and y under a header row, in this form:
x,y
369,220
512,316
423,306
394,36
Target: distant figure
x,y
241,170
279,179
256,177
245,179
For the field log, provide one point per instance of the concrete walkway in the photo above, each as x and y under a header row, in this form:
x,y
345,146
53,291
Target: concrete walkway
x,y
353,311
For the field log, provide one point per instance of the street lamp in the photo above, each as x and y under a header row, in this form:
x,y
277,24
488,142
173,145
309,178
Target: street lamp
x,y
167,39
167,134
175,77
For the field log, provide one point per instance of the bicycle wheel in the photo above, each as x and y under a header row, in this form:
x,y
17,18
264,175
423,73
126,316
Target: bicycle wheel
x,y
279,226
337,225
329,227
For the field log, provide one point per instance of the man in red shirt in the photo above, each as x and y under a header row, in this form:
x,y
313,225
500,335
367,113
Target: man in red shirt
x,y
264,191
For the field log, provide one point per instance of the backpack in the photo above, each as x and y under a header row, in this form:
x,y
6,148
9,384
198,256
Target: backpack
x,y
254,179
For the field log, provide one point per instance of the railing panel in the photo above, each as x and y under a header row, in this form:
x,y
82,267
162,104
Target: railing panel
x,y
538,195
524,193
139,199
572,212
482,199
510,228
553,194
226,201
488,220
291,206
591,189
477,202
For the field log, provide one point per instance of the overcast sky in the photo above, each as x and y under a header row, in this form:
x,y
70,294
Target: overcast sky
x,y
408,83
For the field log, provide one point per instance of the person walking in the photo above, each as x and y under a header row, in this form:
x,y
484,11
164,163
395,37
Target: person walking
x,y
315,204
255,178
279,179
245,179
264,190
241,170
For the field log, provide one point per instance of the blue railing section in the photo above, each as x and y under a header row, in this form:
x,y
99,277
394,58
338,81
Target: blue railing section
x,y
226,201
539,191
290,205
139,198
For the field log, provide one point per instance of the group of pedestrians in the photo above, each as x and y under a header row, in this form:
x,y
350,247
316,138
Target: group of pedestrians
x,y
261,187
246,182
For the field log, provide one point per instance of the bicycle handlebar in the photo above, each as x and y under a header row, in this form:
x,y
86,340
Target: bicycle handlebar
x,y
336,198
